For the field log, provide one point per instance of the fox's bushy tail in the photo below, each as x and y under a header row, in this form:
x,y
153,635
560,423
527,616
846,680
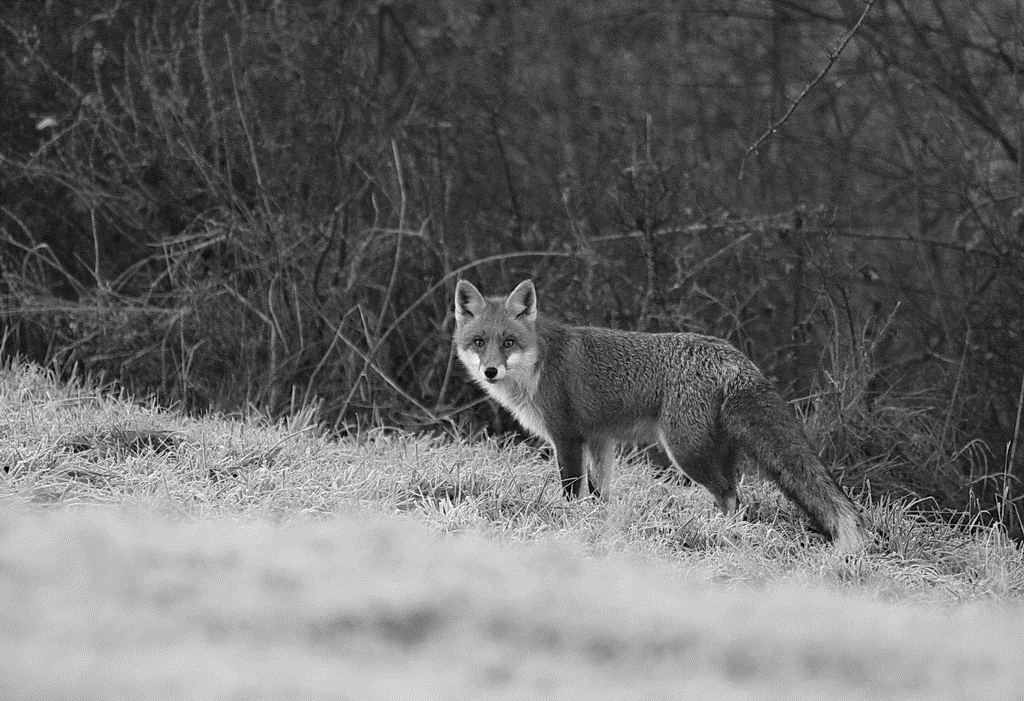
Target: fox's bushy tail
x,y
764,425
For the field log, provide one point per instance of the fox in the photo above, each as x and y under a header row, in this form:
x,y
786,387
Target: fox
x,y
586,390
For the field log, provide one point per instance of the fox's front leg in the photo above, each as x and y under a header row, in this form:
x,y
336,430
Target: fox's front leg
x,y
569,455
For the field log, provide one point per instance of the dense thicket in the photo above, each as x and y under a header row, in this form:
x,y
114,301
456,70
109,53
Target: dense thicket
x,y
261,204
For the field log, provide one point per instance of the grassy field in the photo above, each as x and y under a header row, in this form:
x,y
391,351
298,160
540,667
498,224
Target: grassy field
x,y
147,555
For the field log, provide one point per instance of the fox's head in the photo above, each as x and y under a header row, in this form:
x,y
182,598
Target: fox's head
x,y
496,337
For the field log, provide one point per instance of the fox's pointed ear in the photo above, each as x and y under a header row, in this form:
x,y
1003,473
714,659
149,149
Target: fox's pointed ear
x,y
468,301
522,303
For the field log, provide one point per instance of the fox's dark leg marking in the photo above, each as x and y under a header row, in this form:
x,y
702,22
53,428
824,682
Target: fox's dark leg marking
x,y
601,471
569,455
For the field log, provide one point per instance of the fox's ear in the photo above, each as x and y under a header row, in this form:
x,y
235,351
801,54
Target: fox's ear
x,y
522,303
468,301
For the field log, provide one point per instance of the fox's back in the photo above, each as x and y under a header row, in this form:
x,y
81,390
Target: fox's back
x,y
664,354
621,380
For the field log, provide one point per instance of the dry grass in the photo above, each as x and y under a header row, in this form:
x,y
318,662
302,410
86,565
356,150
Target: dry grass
x,y
146,555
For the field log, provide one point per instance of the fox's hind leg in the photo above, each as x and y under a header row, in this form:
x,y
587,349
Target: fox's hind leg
x,y
601,455
710,462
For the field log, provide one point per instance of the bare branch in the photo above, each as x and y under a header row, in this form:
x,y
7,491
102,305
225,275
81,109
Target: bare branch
x,y
832,56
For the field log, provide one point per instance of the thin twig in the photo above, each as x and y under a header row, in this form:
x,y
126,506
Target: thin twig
x,y
22,38
396,263
257,172
832,56
1016,428
37,250
512,196
368,362
956,386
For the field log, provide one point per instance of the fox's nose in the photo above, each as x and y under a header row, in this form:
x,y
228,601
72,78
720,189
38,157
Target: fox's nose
x,y
490,373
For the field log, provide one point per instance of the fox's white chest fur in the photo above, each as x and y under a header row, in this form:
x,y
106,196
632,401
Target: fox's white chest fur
x,y
516,390
520,401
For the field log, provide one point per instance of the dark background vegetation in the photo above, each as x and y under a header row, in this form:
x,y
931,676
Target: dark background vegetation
x,y
246,204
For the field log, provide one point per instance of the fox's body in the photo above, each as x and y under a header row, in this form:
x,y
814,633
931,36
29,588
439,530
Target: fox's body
x,y
585,390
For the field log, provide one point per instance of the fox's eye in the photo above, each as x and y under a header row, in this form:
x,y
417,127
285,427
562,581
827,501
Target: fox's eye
x,y
508,343
478,342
